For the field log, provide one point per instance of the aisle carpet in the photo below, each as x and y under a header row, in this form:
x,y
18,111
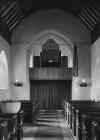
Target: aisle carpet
x,y
49,126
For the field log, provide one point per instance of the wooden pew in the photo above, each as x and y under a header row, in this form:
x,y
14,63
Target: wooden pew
x,y
30,108
3,130
20,115
69,103
15,124
91,126
74,104
12,124
74,118
78,111
35,111
68,108
95,130
65,109
75,110
27,107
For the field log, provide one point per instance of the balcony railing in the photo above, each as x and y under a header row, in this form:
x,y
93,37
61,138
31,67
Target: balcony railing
x,y
50,73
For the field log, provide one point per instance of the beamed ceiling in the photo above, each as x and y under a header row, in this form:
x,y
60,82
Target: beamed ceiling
x,y
13,11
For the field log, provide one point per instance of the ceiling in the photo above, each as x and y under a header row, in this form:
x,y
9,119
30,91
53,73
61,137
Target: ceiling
x,y
13,11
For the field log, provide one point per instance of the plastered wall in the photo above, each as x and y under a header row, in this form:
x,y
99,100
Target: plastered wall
x,y
95,70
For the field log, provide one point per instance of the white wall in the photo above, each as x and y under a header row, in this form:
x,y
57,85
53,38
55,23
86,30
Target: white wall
x,y
36,24
19,72
5,91
95,70
84,64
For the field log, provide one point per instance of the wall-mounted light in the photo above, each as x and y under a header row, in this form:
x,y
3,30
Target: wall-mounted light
x,y
17,83
50,61
85,83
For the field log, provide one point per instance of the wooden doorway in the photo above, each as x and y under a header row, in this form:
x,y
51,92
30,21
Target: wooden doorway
x,y
50,93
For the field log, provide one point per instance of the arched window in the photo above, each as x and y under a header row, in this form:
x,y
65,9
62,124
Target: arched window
x,y
31,61
3,70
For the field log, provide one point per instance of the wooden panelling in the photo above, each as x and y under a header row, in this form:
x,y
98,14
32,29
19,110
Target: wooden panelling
x,y
51,55
50,74
64,61
50,93
36,61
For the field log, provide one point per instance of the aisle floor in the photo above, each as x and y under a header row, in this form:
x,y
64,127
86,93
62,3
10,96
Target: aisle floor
x,y
49,126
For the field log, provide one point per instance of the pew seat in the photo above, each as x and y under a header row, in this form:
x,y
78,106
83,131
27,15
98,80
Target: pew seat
x,y
74,112
3,130
14,124
91,126
30,109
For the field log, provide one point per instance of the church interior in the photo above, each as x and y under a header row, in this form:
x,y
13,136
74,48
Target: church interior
x,y
49,70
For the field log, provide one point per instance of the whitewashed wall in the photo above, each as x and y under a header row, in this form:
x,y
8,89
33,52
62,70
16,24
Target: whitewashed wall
x,y
95,70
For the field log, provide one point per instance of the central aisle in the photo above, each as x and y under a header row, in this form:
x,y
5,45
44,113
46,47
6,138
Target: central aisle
x,y
49,126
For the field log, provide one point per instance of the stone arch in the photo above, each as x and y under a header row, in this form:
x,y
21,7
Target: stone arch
x,y
66,45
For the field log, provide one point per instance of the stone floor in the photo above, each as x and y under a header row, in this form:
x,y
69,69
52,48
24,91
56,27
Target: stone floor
x,y
49,126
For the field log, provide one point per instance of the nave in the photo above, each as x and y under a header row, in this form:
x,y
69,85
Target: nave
x,y
50,125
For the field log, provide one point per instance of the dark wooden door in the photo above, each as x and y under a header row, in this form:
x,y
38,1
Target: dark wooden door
x,y
52,97
50,93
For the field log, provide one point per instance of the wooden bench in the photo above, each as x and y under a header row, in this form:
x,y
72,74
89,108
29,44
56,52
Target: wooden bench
x,y
75,111
12,124
91,126
68,104
30,109
15,124
35,110
3,130
79,111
